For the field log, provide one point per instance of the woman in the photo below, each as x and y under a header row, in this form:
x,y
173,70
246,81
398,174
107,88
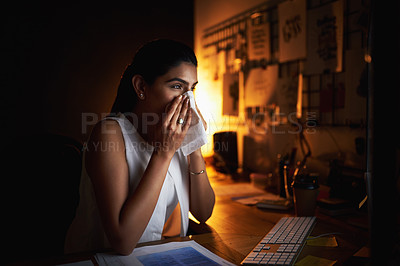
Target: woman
x,y
140,184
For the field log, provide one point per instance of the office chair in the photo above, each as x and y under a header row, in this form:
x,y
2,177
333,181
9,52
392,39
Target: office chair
x,y
42,195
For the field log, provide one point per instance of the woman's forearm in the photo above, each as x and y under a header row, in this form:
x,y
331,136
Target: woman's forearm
x,y
202,198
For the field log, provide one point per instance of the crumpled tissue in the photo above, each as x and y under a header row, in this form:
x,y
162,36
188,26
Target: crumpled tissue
x,y
196,135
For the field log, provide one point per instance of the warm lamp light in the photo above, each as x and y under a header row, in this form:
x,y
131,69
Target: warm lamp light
x,y
209,102
299,96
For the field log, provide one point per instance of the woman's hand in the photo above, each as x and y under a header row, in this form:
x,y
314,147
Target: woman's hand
x,y
172,130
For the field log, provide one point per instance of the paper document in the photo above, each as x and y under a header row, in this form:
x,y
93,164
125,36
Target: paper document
x,y
173,253
253,200
237,190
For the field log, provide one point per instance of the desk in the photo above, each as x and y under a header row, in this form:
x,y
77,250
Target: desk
x,y
234,229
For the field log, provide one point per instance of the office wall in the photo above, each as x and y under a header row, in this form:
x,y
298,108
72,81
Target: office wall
x,y
207,13
328,138
60,61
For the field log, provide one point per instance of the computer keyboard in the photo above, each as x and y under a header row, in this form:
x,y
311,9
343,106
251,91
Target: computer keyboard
x,y
283,243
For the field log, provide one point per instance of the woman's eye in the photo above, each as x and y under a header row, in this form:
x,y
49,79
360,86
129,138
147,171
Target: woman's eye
x,y
177,86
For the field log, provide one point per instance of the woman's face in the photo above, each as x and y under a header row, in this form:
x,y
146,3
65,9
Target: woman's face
x,y
165,88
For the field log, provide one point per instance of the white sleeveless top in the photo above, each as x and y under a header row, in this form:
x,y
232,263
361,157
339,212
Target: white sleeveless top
x,y
86,232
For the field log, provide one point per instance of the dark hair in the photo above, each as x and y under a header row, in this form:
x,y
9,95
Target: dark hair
x,y
152,60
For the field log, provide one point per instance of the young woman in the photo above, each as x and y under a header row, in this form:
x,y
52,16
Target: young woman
x,y
137,185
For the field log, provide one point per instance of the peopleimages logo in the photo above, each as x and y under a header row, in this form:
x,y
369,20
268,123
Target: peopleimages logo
x,y
259,123
278,123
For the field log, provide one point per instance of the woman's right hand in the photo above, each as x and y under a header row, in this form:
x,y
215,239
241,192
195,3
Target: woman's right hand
x,y
173,133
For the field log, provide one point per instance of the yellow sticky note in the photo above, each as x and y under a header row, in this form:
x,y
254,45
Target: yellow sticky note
x,y
329,241
312,260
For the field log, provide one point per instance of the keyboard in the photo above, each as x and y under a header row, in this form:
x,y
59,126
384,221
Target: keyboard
x,y
283,243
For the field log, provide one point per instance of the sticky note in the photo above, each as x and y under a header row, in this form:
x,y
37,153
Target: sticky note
x,y
363,252
329,241
312,260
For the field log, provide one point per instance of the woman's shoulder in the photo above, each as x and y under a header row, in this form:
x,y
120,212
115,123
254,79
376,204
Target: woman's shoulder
x,y
105,144
105,131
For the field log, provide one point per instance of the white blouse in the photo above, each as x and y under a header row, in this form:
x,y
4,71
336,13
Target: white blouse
x,y
86,232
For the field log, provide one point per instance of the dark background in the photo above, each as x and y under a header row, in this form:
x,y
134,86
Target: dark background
x,y
58,62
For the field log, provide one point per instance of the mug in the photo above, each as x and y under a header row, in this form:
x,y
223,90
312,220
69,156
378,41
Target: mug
x,y
305,192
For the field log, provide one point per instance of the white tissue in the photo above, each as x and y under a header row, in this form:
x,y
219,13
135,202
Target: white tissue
x,y
196,135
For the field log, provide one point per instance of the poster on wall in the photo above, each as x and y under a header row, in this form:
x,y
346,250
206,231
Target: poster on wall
x,y
230,97
325,39
287,94
258,37
261,86
292,30
210,62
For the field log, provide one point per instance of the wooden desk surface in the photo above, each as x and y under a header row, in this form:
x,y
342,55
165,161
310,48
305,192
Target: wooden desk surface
x,y
234,229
